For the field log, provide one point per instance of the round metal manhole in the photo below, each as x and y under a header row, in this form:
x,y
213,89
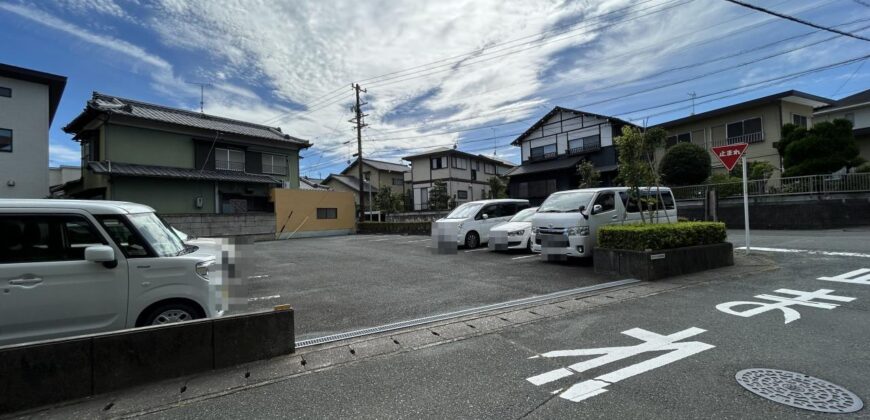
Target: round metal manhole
x,y
799,390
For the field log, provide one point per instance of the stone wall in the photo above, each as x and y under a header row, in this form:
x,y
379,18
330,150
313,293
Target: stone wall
x,y
258,225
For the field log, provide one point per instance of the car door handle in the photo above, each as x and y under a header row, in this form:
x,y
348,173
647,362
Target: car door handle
x,y
25,282
614,217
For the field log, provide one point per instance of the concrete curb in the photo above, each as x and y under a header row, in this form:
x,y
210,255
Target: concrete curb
x,y
48,372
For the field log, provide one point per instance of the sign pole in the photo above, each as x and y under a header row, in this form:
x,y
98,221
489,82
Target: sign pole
x,y
745,204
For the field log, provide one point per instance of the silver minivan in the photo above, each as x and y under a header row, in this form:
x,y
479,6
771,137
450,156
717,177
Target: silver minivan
x,y
72,267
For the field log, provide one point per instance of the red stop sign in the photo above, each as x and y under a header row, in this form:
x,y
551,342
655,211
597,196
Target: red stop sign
x,y
730,154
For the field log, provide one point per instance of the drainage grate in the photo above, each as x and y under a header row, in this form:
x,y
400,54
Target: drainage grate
x,y
458,314
799,390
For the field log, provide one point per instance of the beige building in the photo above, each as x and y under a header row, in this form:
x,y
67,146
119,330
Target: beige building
x,y
757,122
307,213
466,175
855,108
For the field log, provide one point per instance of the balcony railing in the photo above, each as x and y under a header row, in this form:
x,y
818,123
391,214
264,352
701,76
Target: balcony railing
x,y
812,184
227,165
544,156
746,138
587,146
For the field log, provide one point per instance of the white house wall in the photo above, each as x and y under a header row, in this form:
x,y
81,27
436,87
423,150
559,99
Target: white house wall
x,y
564,126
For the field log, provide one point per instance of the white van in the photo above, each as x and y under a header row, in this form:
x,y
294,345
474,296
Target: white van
x,y
567,222
472,221
72,267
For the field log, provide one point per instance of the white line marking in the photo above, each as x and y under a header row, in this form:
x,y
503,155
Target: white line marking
x,y
808,251
783,303
478,249
859,276
524,256
419,240
381,240
254,299
264,276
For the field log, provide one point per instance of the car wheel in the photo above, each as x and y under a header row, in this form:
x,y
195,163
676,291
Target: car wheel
x,y
171,313
529,245
472,240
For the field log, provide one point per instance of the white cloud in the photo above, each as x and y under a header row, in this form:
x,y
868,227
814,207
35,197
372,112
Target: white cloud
x,y
60,154
104,7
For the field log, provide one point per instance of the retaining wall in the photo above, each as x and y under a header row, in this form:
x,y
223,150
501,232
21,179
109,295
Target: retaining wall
x,y
47,372
788,212
417,216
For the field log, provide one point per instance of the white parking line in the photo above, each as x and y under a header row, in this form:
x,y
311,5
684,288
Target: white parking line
x,y
254,299
419,240
524,256
478,249
381,240
808,251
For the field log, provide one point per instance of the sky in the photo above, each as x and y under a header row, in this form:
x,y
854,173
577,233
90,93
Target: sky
x,y
473,74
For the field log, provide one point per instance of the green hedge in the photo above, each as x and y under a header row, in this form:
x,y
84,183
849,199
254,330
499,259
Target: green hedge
x,y
409,228
640,237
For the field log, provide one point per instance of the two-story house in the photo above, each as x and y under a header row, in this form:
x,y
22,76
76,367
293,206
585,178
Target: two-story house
x,y
552,148
855,108
180,161
28,101
465,175
377,175
757,122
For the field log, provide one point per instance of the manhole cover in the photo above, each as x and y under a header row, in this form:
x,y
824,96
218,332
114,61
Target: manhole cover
x,y
799,390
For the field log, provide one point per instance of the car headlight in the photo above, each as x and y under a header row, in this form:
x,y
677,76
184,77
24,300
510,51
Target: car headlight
x,y
517,232
578,230
202,268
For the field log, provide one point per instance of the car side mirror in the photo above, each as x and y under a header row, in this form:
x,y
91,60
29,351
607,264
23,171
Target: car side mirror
x,y
101,254
485,216
596,209
582,210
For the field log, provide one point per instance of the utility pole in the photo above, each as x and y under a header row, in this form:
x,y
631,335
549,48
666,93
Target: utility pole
x,y
692,94
358,121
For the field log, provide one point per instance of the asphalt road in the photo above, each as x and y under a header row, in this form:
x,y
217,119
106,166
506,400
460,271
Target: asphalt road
x,y
855,239
345,283
486,376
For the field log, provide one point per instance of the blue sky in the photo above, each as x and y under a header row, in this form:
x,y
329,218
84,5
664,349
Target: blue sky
x,y
445,67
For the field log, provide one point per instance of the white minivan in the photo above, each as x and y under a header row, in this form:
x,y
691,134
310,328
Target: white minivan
x,y
472,221
72,267
567,222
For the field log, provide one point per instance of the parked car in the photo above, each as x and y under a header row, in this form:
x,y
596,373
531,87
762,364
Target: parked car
x,y
471,222
567,222
71,267
515,233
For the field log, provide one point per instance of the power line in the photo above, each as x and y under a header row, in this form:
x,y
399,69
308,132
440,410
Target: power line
x,y
849,79
798,20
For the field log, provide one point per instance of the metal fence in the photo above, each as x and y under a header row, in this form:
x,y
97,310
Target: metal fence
x,y
812,184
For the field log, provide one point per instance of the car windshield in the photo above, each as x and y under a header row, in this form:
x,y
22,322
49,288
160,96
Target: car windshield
x,y
566,202
525,215
181,235
464,211
164,242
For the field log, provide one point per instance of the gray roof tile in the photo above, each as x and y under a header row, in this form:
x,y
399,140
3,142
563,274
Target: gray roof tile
x,y
152,171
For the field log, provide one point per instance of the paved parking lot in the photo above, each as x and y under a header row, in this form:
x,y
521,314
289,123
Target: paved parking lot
x,y
344,283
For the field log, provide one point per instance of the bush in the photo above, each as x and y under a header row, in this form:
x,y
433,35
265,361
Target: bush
x,y
685,164
863,169
661,236
728,185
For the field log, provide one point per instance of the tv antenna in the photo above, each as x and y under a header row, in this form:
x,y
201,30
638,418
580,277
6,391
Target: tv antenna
x,y
692,95
201,94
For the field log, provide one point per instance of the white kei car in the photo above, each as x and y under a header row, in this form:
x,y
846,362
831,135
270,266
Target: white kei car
x,y
513,234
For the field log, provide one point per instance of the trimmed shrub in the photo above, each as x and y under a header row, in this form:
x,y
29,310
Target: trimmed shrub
x,y
685,164
864,168
659,236
408,228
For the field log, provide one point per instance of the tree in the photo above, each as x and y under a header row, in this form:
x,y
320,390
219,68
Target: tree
x,y
825,148
589,176
637,160
388,202
438,198
497,188
758,170
685,164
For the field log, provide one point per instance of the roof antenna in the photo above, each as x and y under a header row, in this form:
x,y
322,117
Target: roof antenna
x,y
692,94
202,86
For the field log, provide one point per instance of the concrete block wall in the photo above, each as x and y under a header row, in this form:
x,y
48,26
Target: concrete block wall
x,y
224,225
788,212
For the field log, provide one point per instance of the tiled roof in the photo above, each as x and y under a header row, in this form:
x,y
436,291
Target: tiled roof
x,y
351,182
311,184
114,105
151,171
447,150
386,166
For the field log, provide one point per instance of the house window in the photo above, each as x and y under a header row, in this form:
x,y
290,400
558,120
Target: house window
x,y
799,120
460,163
543,152
746,131
462,195
5,92
584,144
475,165
438,162
398,181
327,213
424,198
488,168
5,140
229,159
474,175
679,138
274,164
